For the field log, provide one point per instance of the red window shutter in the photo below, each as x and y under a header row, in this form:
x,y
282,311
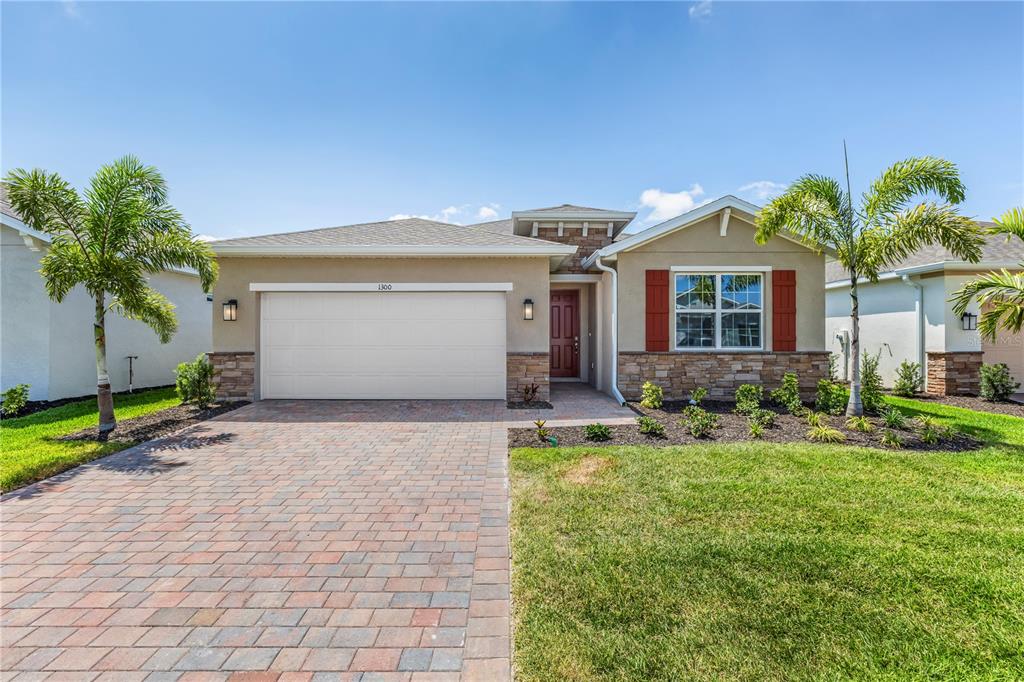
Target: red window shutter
x,y
657,310
784,310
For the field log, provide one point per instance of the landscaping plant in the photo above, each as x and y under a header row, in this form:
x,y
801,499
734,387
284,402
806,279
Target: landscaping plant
x,y
542,433
999,294
891,439
748,398
650,426
108,240
194,381
825,434
815,419
756,430
871,385
893,417
697,395
860,423
930,430
832,398
597,432
14,399
763,418
530,393
651,396
996,383
699,421
908,379
882,230
788,395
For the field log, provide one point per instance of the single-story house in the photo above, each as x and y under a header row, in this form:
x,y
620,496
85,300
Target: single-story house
x,y
908,315
421,309
49,345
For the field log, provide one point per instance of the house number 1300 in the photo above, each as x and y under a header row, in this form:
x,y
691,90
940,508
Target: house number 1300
x,y
383,287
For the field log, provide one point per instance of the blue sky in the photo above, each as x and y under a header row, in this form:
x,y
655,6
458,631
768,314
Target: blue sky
x,y
279,116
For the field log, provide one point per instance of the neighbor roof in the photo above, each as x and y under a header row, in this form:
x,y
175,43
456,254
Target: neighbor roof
x,y
996,252
5,203
409,236
496,226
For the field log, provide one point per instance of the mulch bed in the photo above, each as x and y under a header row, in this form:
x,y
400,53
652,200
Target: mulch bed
x,y
33,406
156,424
732,428
974,403
532,405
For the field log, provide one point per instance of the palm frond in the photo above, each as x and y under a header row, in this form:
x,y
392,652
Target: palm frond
x,y
178,248
906,232
46,202
63,267
1001,298
810,215
150,306
906,179
1010,223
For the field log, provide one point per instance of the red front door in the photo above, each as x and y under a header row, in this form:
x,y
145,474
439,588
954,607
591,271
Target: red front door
x,y
565,333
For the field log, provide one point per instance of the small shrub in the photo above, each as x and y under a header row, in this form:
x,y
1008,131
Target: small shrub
x,y
831,398
891,439
862,424
597,432
825,434
833,364
788,395
930,430
816,419
194,381
908,379
748,398
996,383
763,418
530,393
894,418
700,422
756,430
871,384
697,395
651,396
13,400
542,433
650,426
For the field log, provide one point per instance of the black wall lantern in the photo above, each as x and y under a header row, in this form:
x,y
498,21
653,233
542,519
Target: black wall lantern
x,y
969,322
528,309
230,310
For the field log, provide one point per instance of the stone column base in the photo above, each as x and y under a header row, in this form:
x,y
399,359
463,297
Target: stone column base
x,y
234,374
525,369
719,372
954,373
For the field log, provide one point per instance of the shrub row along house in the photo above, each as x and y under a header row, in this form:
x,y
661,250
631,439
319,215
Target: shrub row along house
x,y
420,309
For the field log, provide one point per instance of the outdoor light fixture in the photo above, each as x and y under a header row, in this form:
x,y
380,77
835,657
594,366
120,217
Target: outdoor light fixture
x,y
528,309
230,310
969,322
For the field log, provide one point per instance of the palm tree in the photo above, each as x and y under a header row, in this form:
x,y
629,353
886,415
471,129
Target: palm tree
x,y
108,239
1000,294
883,230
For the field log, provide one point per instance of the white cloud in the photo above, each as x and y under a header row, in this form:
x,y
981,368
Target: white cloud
x,y
665,205
456,215
206,238
763,189
700,11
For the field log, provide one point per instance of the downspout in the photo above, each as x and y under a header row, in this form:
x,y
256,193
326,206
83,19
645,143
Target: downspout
x,y
919,313
615,326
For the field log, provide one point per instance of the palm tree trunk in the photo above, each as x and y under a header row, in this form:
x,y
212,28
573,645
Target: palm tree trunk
x,y
104,400
855,407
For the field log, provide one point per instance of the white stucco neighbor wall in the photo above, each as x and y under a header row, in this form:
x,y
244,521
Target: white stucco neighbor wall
x,y
49,345
24,318
956,338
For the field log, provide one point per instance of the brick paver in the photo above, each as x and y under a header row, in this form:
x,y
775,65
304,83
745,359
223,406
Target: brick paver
x,y
368,540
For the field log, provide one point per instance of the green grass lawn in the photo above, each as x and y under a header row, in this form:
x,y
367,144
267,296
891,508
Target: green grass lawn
x,y
763,562
29,451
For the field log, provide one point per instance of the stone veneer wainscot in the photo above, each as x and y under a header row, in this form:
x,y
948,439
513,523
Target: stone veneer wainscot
x,y
234,375
524,369
954,373
719,372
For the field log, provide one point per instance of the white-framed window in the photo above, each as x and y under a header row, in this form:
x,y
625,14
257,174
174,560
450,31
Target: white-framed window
x,y
719,310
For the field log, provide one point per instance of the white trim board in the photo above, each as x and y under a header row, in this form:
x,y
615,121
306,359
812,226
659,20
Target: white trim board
x,y
575,278
383,287
723,269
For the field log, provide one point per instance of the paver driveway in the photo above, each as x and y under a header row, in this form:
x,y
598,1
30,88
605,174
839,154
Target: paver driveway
x,y
363,538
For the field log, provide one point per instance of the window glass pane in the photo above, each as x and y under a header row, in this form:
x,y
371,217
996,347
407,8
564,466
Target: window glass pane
x,y
741,330
695,292
741,292
695,330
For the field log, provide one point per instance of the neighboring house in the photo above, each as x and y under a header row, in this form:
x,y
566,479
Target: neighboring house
x,y
908,315
421,309
50,345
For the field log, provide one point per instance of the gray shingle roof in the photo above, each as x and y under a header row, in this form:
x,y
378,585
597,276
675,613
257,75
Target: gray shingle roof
x,y
496,226
414,232
569,207
995,250
5,204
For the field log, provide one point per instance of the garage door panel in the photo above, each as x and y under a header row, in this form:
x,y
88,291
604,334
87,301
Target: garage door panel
x,y
383,345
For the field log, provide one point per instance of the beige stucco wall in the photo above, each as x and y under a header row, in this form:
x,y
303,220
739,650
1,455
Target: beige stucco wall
x,y
529,277
701,245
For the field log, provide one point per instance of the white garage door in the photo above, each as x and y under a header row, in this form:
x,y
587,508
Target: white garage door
x,y
387,345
